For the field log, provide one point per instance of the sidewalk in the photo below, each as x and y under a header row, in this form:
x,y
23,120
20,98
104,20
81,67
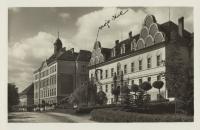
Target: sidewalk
x,y
77,119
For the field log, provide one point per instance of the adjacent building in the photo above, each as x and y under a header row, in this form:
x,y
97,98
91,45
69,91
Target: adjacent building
x,y
60,74
26,98
158,52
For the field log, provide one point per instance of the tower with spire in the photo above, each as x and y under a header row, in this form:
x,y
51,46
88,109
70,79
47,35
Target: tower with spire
x,y
57,45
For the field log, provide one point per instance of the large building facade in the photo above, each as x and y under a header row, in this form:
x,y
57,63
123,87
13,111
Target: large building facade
x,y
159,52
60,74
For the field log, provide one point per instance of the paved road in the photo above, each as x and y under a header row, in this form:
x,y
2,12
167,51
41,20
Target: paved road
x,y
46,117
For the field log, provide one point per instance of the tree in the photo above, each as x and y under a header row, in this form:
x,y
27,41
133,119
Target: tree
x,y
13,97
116,92
176,71
84,95
125,92
146,86
116,89
158,85
101,98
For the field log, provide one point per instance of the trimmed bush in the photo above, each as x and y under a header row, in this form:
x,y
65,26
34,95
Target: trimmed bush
x,y
109,115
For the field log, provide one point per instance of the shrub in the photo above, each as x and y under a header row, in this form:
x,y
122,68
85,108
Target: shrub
x,y
108,115
101,98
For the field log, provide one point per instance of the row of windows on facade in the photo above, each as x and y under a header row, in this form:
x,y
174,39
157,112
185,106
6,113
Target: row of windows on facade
x,y
46,72
140,67
132,82
46,82
123,49
46,93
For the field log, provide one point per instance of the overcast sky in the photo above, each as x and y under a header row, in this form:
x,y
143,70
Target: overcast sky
x,y
32,32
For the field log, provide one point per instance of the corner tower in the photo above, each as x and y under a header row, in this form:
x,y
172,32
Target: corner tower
x,y
57,45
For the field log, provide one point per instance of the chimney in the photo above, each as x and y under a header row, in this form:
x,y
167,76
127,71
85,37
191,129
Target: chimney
x,y
72,50
130,34
116,42
180,26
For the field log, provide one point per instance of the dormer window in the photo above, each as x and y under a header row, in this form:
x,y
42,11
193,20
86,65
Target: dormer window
x,y
113,52
133,45
123,49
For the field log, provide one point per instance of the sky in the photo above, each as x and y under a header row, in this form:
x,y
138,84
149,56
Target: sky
x,y
33,30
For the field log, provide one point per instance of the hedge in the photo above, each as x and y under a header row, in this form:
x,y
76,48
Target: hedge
x,y
109,115
154,108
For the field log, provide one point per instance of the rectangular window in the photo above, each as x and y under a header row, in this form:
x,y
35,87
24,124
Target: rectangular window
x,y
118,69
140,64
55,67
106,88
140,81
148,63
55,79
106,72
132,82
158,77
112,86
132,46
132,67
101,74
83,68
125,69
158,60
112,72
149,79
123,49
113,52
91,76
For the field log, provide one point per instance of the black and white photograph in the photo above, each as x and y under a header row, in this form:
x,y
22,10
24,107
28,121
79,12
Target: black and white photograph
x,y
100,64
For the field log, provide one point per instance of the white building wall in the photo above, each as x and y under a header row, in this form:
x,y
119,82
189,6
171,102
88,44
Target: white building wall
x,y
153,72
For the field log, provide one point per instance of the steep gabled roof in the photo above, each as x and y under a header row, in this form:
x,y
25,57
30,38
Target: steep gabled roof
x,y
27,90
84,55
164,29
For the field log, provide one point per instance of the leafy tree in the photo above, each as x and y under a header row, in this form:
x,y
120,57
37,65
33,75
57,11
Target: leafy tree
x,y
101,98
125,92
146,86
13,97
78,96
176,71
91,93
116,89
158,85
116,92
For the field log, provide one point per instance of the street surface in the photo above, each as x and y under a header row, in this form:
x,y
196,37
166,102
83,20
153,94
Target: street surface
x,y
46,117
